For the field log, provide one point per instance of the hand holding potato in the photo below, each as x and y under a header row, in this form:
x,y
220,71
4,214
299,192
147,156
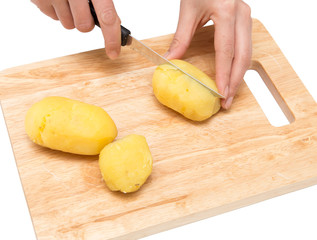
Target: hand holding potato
x,y
232,39
232,32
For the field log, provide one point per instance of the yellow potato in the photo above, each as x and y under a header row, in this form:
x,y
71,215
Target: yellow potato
x,y
126,163
177,91
70,126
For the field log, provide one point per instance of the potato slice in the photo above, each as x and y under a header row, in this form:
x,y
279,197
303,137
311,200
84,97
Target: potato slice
x,y
126,163
179,92
70,126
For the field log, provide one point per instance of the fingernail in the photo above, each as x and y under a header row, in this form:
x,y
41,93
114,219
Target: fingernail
x,y
166,54
228,103
112,54
226,91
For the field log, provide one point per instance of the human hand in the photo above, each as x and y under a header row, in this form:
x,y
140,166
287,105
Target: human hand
x,y
76,13
232,40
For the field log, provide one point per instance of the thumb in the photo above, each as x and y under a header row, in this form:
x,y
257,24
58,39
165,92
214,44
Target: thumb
x,y
184,33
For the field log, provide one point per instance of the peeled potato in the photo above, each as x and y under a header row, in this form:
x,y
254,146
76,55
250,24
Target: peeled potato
x,y
179,92
126,163
70,126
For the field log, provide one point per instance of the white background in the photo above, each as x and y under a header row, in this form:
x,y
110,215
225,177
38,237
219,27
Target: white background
x,y
26,36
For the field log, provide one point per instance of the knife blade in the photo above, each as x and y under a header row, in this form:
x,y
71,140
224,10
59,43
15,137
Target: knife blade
x,y
150,54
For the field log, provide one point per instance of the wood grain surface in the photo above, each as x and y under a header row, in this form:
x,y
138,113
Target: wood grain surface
x,y
234,159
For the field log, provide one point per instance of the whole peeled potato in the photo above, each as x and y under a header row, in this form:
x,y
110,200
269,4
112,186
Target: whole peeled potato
x,y
126,163
70,126
179,92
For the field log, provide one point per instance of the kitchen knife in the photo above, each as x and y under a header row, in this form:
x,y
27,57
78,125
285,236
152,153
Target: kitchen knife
x,y
136,45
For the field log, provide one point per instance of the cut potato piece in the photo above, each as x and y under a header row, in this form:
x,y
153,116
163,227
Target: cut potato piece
x,y
126,163
70,126
179,92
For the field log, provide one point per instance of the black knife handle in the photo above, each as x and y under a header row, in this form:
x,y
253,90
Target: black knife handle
x,y
124,32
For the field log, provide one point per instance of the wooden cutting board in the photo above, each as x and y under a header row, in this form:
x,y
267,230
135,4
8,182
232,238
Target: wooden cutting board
x,y
234,159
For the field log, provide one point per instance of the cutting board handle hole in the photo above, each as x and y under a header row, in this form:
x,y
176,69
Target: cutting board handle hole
x,y
268,97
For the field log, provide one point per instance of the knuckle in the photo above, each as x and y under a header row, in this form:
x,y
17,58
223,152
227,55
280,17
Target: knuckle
x,y
227,8
236,84
227,50
39,4
223,76
175,42
45,8
112,46
245,59
108,16
68,26
85,26
178,43
53,16
67,23
247,64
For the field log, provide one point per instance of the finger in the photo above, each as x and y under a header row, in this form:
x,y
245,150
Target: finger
x,y
110,26
186,27
81,14
47,9
63,13
224,23
243,50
